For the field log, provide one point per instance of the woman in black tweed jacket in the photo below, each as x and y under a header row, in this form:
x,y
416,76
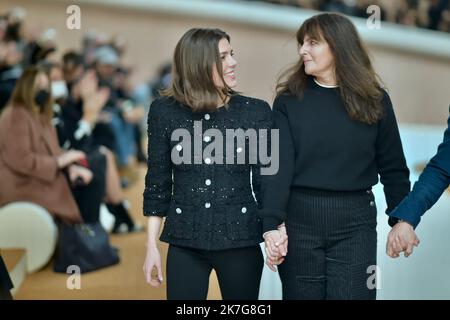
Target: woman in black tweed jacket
x,y
202,152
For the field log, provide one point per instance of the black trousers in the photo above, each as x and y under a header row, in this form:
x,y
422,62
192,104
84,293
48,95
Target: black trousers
x,y
90,197
238,271
332,245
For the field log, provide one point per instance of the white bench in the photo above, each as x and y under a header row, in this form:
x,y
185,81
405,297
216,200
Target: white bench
x,y
28,226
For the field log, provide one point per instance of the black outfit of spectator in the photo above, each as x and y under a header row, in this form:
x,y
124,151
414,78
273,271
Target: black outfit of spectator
x,y
88,197
8,78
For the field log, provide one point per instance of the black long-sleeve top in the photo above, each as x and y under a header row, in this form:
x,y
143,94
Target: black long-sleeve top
x,y
322,148
72,132
208,205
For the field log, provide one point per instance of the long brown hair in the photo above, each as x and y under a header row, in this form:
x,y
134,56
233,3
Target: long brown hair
x,y
359,85
25,91
195,57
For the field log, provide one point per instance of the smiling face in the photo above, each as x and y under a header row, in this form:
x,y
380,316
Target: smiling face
x,y
203,73
317,57
228,66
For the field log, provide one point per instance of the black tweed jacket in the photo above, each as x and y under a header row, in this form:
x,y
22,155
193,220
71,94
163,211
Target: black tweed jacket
x,y
207,205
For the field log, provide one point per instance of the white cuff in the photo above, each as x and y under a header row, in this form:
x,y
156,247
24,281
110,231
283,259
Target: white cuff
x,y
84,129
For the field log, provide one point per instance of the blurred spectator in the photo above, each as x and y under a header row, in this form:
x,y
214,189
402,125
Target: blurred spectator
x,y
93,108
106,61
75,126
145,93
43,49
431,14
72,68
445,22
435,13
132,111
32,165
118,124
163,80
10,69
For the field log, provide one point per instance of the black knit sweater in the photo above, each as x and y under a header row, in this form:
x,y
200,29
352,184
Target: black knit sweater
x,y
322,148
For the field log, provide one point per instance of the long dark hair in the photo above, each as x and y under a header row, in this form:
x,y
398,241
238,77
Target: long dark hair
x,y
25,91
195,57
359,85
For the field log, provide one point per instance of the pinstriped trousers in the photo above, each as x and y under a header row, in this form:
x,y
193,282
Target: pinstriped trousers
x,y
332,244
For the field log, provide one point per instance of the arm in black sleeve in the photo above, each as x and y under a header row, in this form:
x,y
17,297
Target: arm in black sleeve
x,y
391,163
264,126
61,132
276,188
73,132
158,180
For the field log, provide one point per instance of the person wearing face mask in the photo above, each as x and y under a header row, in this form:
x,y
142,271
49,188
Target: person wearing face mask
x,y
32,165
59,89
41,98
74,128
35,169
211,214
338,132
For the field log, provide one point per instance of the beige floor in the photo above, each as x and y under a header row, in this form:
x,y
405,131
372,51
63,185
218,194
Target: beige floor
x,y
123,281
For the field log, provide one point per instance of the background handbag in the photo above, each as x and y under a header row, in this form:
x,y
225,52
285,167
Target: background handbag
x,y
85,245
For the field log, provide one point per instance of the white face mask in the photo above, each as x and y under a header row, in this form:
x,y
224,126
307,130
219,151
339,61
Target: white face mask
x,y
59,89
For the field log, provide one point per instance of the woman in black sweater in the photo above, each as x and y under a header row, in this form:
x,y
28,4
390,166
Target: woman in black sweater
x,y
338,132
199,179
